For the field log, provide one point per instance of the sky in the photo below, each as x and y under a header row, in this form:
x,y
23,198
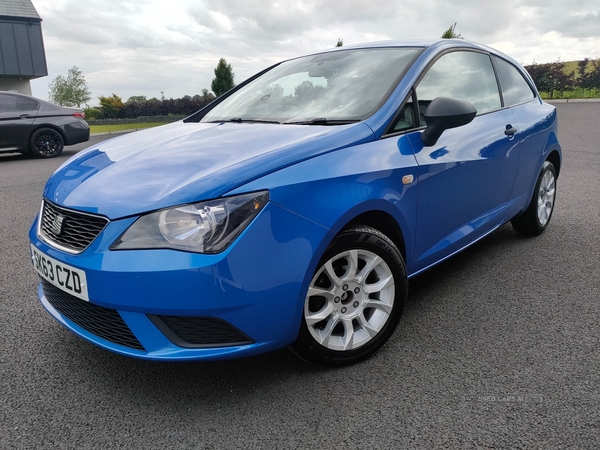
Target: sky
x,y
145,47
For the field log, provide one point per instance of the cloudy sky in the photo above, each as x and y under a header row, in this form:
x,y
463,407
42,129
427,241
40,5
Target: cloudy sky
x,y
143,47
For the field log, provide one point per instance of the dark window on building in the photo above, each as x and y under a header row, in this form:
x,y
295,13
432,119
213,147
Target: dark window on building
x,y
515,89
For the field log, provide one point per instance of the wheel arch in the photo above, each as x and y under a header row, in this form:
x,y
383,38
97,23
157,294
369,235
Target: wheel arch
x,y
58,129
384,222
553,152
554,158
374,215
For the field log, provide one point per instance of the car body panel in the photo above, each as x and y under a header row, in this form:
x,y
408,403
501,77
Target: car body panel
x,y
336,187
139,282
320,178
15,122
537,129
187,161
464,185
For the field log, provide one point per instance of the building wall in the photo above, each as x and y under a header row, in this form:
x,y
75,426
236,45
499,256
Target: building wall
x,y
21,85
22,49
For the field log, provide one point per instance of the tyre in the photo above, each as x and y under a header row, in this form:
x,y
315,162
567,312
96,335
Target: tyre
x,y
46,143
537,216
355,299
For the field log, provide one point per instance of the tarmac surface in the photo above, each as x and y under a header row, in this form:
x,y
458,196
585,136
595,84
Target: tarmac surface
x,y
498,348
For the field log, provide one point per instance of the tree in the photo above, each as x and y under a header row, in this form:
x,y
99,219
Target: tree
x,y
589,74
451,33
593,76
111,106
340,42
92,113
551,77
207,96
223,80
71,90
136,99
563,81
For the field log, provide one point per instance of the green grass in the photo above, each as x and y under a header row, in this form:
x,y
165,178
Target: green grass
x,y
123,126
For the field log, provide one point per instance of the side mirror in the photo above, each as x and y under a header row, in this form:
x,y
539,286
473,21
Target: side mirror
x,y
444,113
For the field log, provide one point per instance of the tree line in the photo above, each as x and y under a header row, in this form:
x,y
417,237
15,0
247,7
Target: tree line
x,y
113,107
552,78
72,90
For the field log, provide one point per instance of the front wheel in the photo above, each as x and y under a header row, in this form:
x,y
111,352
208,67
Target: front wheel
x,y
355,299
46,143
537,216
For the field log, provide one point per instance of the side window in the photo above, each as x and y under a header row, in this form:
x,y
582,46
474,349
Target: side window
x,y
515,89
406,117
8,103
463,75
26,104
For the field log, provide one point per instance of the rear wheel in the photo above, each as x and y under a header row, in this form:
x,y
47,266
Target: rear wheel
x,y
537,216
355,298
46,143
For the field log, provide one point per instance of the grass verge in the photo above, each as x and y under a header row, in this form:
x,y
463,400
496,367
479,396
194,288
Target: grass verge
x,y
121,127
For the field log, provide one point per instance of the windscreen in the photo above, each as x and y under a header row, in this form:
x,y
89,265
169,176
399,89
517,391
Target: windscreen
x,y
342,86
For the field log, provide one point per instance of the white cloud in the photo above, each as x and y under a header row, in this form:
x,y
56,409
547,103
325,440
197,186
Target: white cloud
x,y
143,47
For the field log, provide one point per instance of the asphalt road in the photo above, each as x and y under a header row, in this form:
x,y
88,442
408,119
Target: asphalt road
x,y
498,348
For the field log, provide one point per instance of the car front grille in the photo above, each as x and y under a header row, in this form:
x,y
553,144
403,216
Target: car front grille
x,y
69,230
102,322
196,332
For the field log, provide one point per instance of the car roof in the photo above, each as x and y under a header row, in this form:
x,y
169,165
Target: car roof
x,y
433,44
44,104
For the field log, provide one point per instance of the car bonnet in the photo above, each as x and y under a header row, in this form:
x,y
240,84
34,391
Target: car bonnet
x,y
186,162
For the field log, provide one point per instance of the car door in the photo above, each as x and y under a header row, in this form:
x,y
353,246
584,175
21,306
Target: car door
x,y
17,115
466,178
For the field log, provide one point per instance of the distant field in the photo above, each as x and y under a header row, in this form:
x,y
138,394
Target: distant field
x,y
122,127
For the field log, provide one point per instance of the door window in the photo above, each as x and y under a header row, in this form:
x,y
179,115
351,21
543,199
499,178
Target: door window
x,y
515,89
8,103
26,104
463,75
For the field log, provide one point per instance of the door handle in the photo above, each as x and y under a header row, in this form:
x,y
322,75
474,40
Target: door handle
x,y
24,116
510,130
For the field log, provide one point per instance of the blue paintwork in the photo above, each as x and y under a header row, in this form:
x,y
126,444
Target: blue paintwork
x,y
319,179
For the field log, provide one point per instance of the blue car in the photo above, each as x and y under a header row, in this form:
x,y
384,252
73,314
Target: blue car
x,y
292,210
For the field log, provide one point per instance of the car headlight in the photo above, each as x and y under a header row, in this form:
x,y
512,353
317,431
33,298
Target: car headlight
x,y
206,227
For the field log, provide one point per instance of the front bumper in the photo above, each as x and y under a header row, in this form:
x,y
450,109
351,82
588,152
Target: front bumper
x,y
254,291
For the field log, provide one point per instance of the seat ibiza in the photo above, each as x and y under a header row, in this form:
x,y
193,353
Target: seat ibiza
x,y
292,210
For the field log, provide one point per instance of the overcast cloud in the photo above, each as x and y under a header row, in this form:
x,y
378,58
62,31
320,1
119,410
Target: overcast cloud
x,y
143,47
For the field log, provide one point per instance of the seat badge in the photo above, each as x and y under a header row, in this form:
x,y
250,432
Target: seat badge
x,y
57,225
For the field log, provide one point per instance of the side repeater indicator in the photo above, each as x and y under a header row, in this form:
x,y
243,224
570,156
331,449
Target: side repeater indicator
x,y
407,179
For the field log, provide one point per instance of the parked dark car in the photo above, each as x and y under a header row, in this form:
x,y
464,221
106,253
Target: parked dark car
x,y
31,125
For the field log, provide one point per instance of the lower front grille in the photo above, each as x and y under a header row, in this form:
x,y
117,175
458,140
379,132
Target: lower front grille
x,y
197,332
103,322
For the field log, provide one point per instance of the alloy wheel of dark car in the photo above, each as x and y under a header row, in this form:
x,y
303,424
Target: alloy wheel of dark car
x,y
537,216
46,143
355,298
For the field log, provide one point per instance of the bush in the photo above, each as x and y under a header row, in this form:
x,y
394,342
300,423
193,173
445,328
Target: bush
x,y
92,113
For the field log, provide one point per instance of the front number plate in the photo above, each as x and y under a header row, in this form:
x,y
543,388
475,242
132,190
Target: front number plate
x,y
63,276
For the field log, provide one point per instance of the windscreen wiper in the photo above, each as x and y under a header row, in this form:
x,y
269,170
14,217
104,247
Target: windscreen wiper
x,y
323,121
240,120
